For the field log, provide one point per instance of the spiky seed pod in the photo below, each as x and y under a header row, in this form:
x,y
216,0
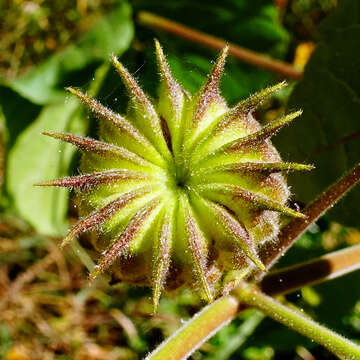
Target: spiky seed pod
x,y
182,191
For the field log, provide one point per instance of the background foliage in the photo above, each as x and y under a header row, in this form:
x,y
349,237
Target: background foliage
x,y
47,308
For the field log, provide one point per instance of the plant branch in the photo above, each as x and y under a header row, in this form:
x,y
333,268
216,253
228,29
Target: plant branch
x,y
318,270
248,56
337,344
324,268
197,330
272,251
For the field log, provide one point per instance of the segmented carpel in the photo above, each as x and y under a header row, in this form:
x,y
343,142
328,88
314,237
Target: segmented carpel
x,y
180,187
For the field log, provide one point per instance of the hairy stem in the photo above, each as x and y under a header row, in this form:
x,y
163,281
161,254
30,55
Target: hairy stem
x,y
338,263
295,320
248,56
244,331
197,330
189,337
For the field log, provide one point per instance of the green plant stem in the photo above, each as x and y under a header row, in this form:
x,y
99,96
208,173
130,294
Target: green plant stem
x,y
192,335
82,255
244,331
197,330
248,56
337,344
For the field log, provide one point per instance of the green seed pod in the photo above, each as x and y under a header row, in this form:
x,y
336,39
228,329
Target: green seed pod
x,y
182,191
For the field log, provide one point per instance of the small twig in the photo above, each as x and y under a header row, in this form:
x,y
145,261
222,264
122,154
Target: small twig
x,y
272,251
329,266
246,55
197,330
189,338
244,331
251,296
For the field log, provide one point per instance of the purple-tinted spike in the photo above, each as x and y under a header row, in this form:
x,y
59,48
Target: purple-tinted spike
x,y
98,217
255,138
266,168
137,95
266,132
145,114
255,100
239,232
253,199
161,261
210,90
123,241
174,89
98,147
193,234
88,181
106,114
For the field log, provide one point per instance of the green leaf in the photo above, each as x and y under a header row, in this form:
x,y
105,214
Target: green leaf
x,y
327,134
35,158
45,84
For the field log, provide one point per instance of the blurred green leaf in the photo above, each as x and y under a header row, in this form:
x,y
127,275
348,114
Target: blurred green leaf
x,y
18,113
328,132
339,299
45,84
35,158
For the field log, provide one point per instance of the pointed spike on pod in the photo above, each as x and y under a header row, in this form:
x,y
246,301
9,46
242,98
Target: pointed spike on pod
x,y
145,115
87,181
121,244
266,203
102,112
137,95
162,63
47,183
278,167
174,90
210,91
237,231
170,102
98,217
130,82
252,102
195,240
99,147
83,143
265,133
99,109
233,192
255,138
161,260
260,167
274,126
75,92
218,68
